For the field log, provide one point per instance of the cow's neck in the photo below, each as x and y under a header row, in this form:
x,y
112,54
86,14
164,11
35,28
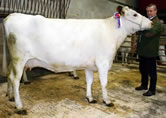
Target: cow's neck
x,y
121,38
122,34
124,31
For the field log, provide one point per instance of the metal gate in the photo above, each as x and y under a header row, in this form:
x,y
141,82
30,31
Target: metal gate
x,y
47,8
127,53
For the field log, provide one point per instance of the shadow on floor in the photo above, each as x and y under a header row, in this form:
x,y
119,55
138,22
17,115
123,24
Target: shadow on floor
x,y
3,79
33,74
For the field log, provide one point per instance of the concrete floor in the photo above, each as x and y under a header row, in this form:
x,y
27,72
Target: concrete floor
x,y
59,96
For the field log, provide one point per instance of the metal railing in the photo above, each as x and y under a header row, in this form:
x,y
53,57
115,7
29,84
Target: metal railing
x,y
132,57
47,8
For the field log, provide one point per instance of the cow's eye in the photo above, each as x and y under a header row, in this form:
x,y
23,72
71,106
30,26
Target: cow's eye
x,y
135,15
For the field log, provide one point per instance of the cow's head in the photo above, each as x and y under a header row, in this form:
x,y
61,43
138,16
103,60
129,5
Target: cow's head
x,y
133,20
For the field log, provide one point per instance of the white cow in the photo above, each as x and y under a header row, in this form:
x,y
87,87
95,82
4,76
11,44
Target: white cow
x,y
63,45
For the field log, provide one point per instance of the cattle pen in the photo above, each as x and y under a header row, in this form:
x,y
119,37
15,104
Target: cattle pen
x,y
51,95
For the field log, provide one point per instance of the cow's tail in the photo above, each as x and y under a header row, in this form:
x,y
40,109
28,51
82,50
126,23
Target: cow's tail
x,y
4,56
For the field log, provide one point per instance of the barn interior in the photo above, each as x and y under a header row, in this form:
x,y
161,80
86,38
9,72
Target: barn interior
x,y
58,95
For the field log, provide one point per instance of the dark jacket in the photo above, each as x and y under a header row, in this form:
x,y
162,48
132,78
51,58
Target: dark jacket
x,y
148,43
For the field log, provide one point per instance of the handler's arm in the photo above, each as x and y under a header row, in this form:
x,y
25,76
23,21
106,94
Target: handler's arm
x,y
155,30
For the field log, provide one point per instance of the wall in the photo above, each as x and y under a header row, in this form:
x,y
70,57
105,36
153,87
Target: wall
x,y
95,8
129,2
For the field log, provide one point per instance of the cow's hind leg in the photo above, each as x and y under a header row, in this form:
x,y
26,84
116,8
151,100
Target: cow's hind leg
x,y
10,93
16,70
89,81
123,58
24,77
126,57
74,74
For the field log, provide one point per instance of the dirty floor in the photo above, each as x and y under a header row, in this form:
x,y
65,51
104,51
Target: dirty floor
x,y
60,96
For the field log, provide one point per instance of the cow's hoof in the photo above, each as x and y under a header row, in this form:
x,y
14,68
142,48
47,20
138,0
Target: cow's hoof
x,y
21,112
108,105
11,99
76,77
27,82
93,101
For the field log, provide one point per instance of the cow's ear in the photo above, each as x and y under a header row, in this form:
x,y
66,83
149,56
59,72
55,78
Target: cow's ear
x,y
120,10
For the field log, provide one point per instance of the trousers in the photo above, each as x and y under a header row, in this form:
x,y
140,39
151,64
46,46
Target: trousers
x,y
147,67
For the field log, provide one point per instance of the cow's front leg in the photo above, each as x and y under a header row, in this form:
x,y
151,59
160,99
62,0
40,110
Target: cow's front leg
x,y
103,68
89,81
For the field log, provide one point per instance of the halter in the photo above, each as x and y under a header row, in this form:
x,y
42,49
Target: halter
x,y
139,24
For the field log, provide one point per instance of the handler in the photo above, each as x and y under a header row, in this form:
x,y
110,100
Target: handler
x,y
147,49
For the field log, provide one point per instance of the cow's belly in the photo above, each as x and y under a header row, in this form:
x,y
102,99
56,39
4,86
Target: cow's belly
x,y
59,67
